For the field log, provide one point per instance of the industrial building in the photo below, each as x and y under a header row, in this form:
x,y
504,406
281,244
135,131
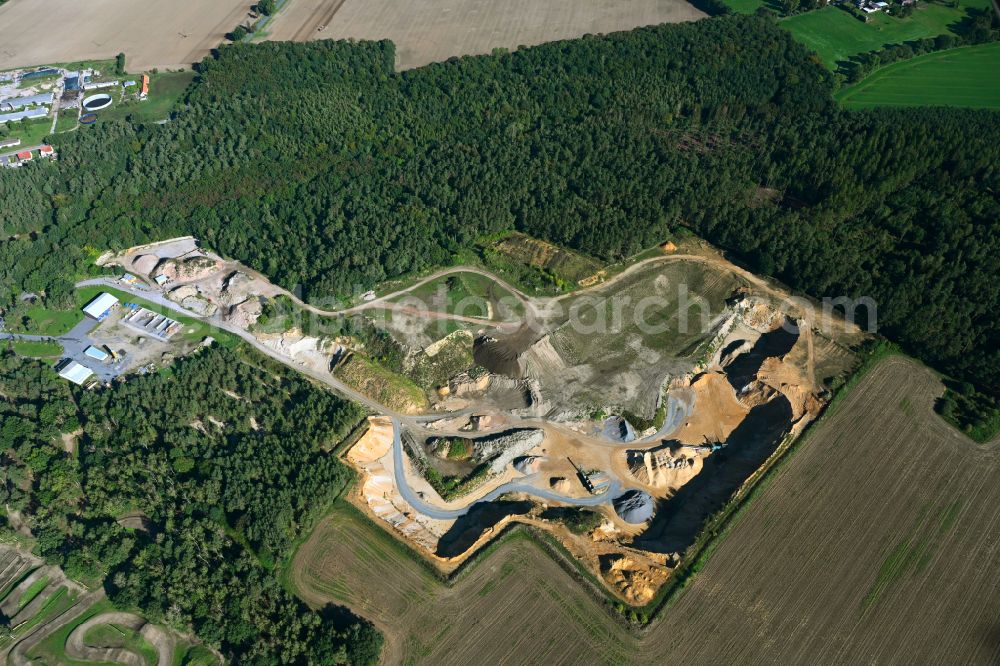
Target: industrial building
x,y
97,353
15,103
100,307
38,112
76,373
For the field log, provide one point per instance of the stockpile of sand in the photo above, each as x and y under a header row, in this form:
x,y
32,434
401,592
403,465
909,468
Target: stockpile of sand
x,y
189,297
145,264
375,443
559,484
527,464
236,288
246,313
665,467
637,581
717,411
190,269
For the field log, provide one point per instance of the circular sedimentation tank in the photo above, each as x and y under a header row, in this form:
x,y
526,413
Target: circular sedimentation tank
x,y
97,102
88,119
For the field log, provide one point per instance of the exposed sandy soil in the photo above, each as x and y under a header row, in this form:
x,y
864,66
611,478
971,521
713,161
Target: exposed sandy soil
x,y
427,31
151,33
717,411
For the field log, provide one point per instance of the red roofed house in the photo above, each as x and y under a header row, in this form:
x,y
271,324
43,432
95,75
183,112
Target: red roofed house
x,y
46,151
24,156
144,90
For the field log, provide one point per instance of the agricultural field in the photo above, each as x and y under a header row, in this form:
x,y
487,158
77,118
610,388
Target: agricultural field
x,y
836,35
876,542
427,31
545,613
809,571
151,34
964,77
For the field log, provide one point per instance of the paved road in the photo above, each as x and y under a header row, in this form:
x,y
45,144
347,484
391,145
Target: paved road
x,y
158,298
73,344
516,486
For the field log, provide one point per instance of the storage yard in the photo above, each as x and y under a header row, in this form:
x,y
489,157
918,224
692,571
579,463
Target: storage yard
x,y
427,31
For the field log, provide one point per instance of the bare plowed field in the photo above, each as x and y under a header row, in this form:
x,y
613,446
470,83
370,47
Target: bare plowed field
x,y
151,33
876,543
433,30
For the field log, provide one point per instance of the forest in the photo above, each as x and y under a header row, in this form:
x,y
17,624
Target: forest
x,y
322,167
223,459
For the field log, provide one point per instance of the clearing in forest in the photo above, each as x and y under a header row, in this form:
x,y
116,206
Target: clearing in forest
x,y
963,77
883,505
426,31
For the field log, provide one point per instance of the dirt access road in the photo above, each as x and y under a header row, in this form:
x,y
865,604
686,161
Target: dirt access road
x,y
151,33
426,31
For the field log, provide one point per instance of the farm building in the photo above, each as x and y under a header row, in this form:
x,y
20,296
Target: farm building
x,y
39,74
10,143
144,90
24,156
39,112
76,373
15,103
100,307
96,353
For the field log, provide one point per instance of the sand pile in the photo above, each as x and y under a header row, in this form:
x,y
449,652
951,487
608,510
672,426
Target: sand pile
x,y
190,269
527,464
145,264
305,350
189,297
636,581
246,313
463,385
375,443
663,468
236,288
559,484
717,410
617,429
634,506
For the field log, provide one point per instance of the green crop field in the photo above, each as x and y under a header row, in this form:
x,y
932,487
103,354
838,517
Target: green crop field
x,y
965,76
836,35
